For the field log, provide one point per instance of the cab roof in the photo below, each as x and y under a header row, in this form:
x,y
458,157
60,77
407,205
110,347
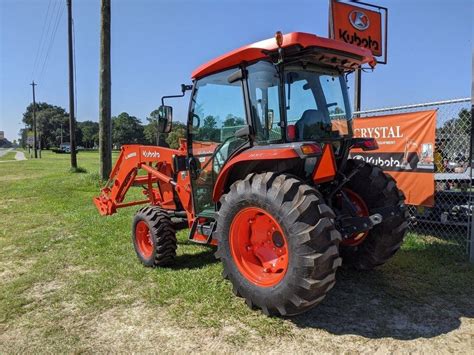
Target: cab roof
x,y
327,51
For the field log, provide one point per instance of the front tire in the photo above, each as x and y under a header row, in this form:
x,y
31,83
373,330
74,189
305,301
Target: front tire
x,y
377,189
154,237
278,243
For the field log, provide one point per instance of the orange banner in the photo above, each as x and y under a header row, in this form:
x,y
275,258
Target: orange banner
x,y
406,150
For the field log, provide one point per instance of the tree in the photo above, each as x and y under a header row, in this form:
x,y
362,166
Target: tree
x,y
150,132
151,129
177,132
126,129
49,119
23,137
454,137
232,121
90,133
209,130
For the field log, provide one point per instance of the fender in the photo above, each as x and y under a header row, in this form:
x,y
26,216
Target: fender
x,y
283,152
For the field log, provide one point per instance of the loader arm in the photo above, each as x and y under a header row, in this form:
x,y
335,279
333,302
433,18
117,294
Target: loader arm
x,y
152,168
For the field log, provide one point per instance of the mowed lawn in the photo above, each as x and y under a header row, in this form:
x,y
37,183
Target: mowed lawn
x,y
70,282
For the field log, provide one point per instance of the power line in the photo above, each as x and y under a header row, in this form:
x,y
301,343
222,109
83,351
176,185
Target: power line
x,y
49,19
44,44
47,35
53,36
41,37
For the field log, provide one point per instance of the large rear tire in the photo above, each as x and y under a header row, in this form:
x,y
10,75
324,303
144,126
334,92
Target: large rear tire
x,y
278,243
377,189
154,237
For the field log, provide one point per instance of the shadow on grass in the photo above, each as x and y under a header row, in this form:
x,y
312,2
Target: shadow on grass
x,y
419,294
78,170
194,261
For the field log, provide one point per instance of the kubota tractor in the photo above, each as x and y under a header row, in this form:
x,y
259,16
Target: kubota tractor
x,y
264,175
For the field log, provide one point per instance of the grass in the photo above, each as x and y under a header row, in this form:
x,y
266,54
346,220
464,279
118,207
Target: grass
x,y
62,264
8,156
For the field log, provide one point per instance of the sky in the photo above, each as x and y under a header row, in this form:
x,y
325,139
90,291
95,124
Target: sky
x,y
156,44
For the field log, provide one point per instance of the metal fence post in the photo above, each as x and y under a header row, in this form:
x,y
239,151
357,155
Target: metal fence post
x,y
471,192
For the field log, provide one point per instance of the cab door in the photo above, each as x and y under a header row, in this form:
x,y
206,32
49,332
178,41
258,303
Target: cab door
x,y
217,112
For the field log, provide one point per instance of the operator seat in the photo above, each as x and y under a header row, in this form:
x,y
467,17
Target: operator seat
x,y
313,123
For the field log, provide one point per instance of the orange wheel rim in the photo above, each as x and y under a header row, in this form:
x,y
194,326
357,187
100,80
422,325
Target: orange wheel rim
x,y
258,247
361,210
143,239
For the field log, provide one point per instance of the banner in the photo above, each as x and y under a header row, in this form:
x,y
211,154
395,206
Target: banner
x,y
406,151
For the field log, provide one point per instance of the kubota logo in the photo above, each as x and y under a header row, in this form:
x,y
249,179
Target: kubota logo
x,y
131,155
359,20
150,154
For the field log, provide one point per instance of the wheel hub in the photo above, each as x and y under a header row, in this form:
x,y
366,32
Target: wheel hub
x,y
258,246
143,239
361,210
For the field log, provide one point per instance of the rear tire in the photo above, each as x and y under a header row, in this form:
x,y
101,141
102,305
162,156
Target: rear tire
x,y
377,189
154,237
309,236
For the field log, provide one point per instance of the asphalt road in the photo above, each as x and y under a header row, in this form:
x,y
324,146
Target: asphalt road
x,y
18,156
4,151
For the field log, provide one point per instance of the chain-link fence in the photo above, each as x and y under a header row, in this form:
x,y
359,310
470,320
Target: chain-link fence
x,y
450,219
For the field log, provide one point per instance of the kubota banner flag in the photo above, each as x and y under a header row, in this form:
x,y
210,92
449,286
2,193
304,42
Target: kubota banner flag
x,y
406,151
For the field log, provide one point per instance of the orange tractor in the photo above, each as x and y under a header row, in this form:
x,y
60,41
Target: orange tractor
x,y
264,175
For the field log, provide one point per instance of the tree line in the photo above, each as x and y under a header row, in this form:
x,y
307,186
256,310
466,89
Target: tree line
x,y
52,124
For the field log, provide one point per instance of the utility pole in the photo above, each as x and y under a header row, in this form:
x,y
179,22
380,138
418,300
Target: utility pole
x,y
72,122
357,85
105,127
34,119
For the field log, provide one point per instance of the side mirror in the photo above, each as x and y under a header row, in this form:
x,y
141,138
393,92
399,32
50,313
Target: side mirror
x,y
165,119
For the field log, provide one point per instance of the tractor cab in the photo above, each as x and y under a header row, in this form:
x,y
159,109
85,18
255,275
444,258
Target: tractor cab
x,y
287,90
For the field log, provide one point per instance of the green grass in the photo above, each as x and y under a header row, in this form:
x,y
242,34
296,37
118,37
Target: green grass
x,y
8,156
57,254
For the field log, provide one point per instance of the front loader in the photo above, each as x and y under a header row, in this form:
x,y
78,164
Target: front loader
x,y
264,175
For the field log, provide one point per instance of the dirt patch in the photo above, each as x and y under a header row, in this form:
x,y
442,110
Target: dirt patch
x,y
140,328
5,177
10,269
40,291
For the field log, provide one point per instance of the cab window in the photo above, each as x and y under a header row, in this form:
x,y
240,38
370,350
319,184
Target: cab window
x,y
264,99
217,112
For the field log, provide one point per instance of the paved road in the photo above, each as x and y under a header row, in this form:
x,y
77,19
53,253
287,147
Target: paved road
x,y
4,151
18,156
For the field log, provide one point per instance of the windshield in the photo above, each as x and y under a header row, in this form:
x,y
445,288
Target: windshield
x,y
317,105
316,102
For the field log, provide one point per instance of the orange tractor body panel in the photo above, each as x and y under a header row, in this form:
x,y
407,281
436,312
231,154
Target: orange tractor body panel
x,y
258,50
